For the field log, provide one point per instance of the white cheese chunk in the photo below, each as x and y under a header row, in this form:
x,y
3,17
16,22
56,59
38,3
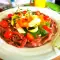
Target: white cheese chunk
x,y
34,22
34,30
20,30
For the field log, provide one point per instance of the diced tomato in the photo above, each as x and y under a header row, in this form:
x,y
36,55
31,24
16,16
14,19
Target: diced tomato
x,y
4,23
30,37
46,18
24,12
37,12
8,34
10,15
47,29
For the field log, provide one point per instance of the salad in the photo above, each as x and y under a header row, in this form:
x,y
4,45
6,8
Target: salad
x,y
27,29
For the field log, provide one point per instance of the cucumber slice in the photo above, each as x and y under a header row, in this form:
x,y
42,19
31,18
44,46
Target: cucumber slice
x,y
34,30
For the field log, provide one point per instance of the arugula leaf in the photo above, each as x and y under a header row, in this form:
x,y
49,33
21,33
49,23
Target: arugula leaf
x,y
43,32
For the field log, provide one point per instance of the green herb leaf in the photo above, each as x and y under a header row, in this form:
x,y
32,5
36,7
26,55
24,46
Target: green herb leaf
x,y
48,24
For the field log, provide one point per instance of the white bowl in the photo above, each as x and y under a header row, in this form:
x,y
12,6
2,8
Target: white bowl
x,y
9,51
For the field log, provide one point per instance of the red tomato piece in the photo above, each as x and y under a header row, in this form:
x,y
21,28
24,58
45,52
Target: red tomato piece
x,y
30,37
46,18
9,15
4,23
8,34
47,29
24,12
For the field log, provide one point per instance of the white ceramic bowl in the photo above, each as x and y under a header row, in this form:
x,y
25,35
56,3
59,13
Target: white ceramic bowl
x,y
9,50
